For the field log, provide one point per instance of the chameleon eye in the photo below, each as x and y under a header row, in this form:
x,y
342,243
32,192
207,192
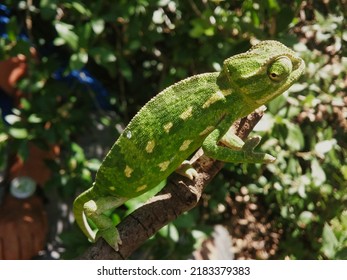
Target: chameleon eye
x,y
280,69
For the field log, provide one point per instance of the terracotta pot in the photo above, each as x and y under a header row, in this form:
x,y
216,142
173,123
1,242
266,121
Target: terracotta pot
x,y
23,228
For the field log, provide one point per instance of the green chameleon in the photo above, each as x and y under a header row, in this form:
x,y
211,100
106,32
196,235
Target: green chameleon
x,y
195,112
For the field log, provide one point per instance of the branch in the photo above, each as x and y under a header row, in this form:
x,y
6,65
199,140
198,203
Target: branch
x,y
178,196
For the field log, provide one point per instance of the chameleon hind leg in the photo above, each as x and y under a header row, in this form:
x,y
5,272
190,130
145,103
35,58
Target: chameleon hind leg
x,y
95,209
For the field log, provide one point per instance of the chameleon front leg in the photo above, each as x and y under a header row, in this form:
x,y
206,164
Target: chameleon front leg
x,y
95,209
236,150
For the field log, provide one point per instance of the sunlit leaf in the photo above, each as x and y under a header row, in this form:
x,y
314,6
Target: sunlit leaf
x,y
19,133
318,174
324,147
66,32
329,242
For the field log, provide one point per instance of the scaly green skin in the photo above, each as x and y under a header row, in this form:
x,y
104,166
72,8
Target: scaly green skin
x,y
187,115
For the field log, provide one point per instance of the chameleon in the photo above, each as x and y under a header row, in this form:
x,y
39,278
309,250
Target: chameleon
x,y
195,112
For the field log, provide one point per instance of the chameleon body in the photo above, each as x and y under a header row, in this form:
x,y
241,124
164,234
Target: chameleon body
x,y
195,112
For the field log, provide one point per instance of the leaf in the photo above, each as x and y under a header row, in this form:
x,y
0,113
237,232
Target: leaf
x,y
98,26
284,18
65,32
81,9
344,171
102,55
323,147
330,241
305,218
341,254
169,231
318,174
12,119
275,105
78,60
266,123
48,9
19,133
34,119
295,138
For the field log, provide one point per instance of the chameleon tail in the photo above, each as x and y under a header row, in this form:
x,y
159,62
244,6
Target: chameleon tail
x,y
80,217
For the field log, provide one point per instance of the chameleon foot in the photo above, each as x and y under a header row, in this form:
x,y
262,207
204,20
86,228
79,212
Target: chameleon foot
x,y
187,170
248,149
111,236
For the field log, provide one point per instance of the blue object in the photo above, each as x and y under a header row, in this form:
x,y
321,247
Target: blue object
x,y
4,19
6,105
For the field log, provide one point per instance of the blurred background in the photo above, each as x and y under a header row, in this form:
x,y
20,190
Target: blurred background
x,y
72,75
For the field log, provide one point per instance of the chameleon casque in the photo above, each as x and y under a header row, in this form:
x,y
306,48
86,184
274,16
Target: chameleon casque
x,y
195,112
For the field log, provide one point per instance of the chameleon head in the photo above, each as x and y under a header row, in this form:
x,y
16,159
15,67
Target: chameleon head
x,y
264,72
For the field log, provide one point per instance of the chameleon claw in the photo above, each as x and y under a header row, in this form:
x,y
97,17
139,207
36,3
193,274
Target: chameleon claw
x,y
187,170
269,158
251,143
249,147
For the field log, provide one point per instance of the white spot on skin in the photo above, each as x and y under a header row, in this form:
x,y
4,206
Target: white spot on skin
x,y
187,113
129,134
141,188
217,96
127,171
168,126
164,165
150,146
207,130
185,145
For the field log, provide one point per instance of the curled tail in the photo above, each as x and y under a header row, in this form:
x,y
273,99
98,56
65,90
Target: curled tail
x,y
80,217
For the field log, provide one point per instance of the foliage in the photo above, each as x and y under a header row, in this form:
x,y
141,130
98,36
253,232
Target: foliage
x,y
131,50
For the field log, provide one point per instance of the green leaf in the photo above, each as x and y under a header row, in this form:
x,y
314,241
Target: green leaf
x,y
102,55
318,174
65,32
344,171
34,119
329,241
295,138
284,18
98,26
93,164
78,60
273,5
81,8
305,218
12,29
341,254
12,119
48,9
324,147
169,231
18,133
276,104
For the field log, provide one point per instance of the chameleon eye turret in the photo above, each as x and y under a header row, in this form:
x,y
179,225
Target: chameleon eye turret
x,y
280,69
